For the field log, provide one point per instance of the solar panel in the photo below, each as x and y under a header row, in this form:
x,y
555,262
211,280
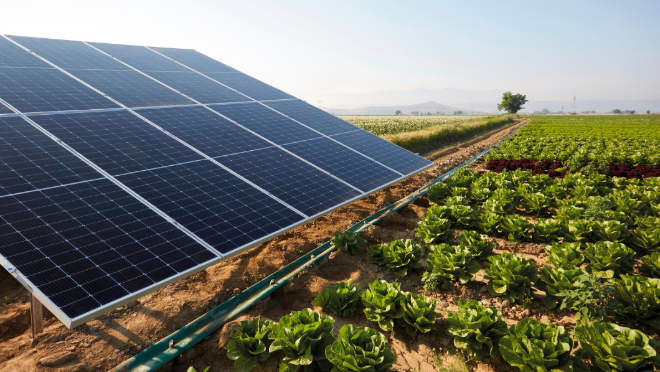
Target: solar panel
x,y
102,203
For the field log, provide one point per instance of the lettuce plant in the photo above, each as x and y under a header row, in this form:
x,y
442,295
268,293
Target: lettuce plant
x,y
555,192
341,299
640,297
462,216
535,346
449,264
460,191
302,336
349,241
375,254
517,228
456,200
438,212
498,206
613,231
402,255
489,223
546,230
569,213
462,178
477,244
577,230
646,240
536,203
627,204
511,276
611,347
476,328
382,303
419,313
250,344
648,222
481,195
486,181
651,265
438,193
360,349
433,230
565,253
557,282
611,259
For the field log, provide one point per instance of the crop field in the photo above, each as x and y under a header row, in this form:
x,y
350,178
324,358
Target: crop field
x,y
388,124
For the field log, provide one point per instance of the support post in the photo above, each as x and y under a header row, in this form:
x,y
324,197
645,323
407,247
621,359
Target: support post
x,y
36,313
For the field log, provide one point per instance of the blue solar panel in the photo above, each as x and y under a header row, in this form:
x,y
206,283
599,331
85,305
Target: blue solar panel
x,y
131,88
5,110
140,57
29,160
194,60
11,55
88,245
69,55
384,152
40,89
266,122
117,141
300,185
313,117
212,203
205,130
198,87
343,163
249,86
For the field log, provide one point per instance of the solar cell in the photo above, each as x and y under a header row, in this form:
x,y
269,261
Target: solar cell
x,y
194,60
249,86
29,160
11,55
198,87
205,130
117,141
87,245
297,183
69,55
41,89
336,159
266,122
212,203
140,57
5,110
384,152
313,117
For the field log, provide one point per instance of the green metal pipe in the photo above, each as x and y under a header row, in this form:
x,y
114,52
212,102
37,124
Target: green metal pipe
x,y
161,353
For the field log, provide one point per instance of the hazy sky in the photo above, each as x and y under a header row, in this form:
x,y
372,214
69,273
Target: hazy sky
x,y
548,50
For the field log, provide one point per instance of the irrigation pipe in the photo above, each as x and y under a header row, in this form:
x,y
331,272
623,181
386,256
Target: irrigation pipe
x,y
173,345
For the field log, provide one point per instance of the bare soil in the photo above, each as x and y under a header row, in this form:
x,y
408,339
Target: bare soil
x,y
110,339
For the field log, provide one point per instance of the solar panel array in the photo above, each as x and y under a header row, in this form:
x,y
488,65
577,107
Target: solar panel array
x,y
126,168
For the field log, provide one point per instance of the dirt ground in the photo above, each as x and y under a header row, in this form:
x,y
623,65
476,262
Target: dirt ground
x,y
110,339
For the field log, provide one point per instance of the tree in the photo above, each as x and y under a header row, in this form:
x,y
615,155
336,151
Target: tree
x,y
632,112
398,112
512,103
616,111
648,112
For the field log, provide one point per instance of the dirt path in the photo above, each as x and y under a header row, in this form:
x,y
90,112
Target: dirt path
x,y
108,340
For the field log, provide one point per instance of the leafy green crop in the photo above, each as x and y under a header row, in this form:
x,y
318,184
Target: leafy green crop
x,y
419,313
382,303
511,276
535,346
360,349
462,216
349,241
536,203
462,178
565,253
449,264
558,282
375,254
498,206
476,328
302,336
438,193
477,244
250,344
640,297
460,191
453,201
402,255
648,222
481,195
611,347
489,223
613,231
555,191
577,230
434,230
569,212
517,228
341,299
646,240
612,259
546,230
651,265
